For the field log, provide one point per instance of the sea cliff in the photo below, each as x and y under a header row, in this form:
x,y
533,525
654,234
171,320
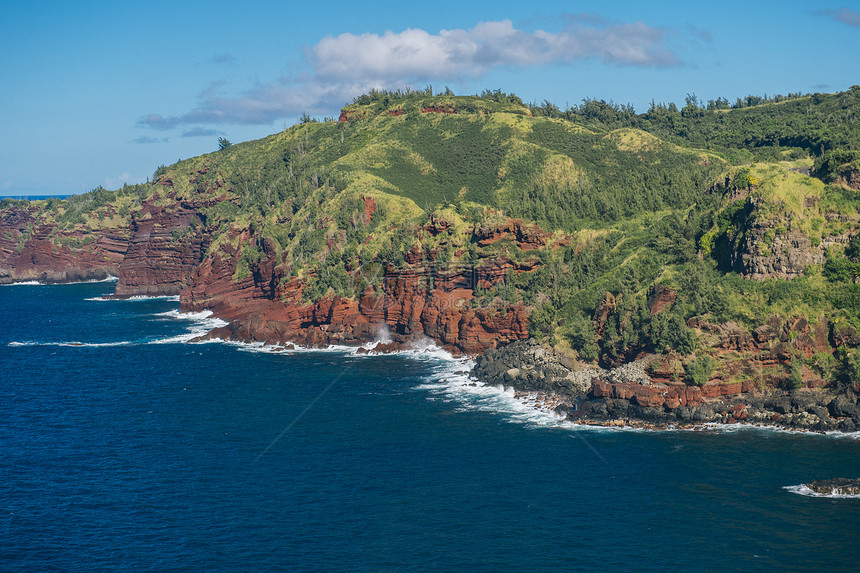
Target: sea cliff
x,y
659,277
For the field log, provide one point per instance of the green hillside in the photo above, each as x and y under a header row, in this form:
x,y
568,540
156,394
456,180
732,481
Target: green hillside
x,y
669,199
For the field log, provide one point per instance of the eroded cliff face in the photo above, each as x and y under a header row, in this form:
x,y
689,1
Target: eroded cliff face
x,y
165,246
162,250
421,299
783,256
778,245
156,253
31,250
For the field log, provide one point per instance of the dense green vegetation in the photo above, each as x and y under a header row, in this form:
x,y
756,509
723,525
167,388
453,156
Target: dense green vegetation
x,y
754,127
679,198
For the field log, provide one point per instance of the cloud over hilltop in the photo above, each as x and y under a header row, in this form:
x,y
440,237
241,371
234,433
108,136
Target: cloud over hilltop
x,y
345,65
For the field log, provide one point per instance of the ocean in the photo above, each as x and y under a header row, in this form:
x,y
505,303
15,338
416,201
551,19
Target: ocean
x,y
126,447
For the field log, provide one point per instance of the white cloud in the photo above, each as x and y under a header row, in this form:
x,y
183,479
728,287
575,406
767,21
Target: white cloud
x,y
417,54
348,64
7,185
265,104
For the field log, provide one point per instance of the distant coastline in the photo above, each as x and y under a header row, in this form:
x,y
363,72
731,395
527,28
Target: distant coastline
x,y
27,197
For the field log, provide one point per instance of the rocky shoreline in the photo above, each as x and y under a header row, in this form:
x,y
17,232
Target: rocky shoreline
x,y
628,396
164,250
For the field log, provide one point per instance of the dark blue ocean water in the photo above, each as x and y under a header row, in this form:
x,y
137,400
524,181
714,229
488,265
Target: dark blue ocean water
x,y
124,448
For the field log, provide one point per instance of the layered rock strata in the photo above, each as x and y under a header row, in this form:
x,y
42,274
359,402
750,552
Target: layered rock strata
x,y
164,249
30,250
419,300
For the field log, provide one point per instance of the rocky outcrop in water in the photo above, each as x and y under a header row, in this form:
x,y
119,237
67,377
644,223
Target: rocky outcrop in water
x,y
529,366
836,486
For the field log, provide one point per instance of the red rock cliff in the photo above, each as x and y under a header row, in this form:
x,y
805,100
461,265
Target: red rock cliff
x,y
164,249
162,252
30,250
418,300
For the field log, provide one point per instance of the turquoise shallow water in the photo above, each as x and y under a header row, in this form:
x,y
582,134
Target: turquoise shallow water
x,y
124,447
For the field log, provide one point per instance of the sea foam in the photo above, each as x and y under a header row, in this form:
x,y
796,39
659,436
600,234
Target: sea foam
x,y
109,279
448,380
73,344
136,298
201,323
769,428
802,489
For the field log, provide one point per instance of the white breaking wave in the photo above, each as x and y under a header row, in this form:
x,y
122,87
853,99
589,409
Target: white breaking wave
x,y
425,349
451,382
287,348
109,279
179,315
259,347
170,298
74,344
448,380
849,435
202,322
744,427
802,489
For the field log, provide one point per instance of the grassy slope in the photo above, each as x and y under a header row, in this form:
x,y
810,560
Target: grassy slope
x,y
635,205
814,123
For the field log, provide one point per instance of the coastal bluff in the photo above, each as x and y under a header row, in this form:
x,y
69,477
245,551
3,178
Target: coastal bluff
x,y
632,394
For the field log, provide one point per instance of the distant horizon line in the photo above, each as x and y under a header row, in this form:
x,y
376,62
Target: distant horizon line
x,y
29,196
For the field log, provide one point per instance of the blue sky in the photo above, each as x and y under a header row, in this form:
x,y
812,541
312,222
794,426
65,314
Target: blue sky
x,y
101,93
